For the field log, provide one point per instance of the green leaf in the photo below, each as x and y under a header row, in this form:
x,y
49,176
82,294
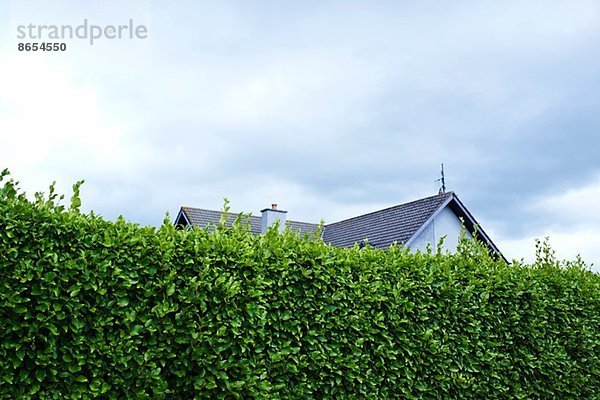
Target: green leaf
x,y
40,375
21,354
95,385
171,289
50,276
52,329
73,368
136,329
20,309
75,199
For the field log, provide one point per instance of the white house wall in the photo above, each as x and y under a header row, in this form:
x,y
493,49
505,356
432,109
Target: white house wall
x,y
447,224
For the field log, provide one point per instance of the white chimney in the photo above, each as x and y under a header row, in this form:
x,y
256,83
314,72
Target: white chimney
x,y
272,215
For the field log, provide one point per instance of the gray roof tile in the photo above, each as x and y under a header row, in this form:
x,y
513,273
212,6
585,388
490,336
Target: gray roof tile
x,y
384,227
202,218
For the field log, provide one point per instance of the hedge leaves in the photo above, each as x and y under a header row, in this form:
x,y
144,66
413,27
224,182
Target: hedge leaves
x,y
91,308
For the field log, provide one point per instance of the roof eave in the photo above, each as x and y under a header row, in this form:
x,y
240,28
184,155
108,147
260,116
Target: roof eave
x,y
480,232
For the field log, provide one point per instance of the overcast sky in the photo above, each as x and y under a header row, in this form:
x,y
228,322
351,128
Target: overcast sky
x,y
329,108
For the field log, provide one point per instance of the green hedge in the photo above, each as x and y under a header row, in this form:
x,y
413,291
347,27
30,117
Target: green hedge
x,y
94,308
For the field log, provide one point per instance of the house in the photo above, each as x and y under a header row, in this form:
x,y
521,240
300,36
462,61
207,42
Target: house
x,y
416,224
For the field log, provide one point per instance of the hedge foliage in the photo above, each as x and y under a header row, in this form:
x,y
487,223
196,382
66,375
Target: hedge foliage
x,y
90,308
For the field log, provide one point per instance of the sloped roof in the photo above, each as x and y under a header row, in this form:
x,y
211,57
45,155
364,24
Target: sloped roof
x,y
202,218
384,227
381,228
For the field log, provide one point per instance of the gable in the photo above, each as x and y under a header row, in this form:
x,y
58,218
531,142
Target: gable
x,y
444,224
384,227
453,210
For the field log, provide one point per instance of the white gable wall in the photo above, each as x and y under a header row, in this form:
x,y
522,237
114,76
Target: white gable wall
x,y
445,223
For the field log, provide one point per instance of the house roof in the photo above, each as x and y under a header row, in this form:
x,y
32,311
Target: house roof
x,y
202,218
384,227
398,224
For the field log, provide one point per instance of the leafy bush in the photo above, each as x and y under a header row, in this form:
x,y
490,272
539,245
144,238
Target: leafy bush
x,y
94,308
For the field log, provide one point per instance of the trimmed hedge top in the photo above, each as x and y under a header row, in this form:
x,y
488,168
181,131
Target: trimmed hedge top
x,y
90,308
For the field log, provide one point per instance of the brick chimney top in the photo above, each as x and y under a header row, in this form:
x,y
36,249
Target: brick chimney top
x,y
274,206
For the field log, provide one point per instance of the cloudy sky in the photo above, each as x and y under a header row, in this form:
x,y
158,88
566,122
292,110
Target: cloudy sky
x,y
328,108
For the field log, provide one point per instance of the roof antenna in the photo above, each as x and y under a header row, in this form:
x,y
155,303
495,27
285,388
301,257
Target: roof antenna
x,y
443,181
